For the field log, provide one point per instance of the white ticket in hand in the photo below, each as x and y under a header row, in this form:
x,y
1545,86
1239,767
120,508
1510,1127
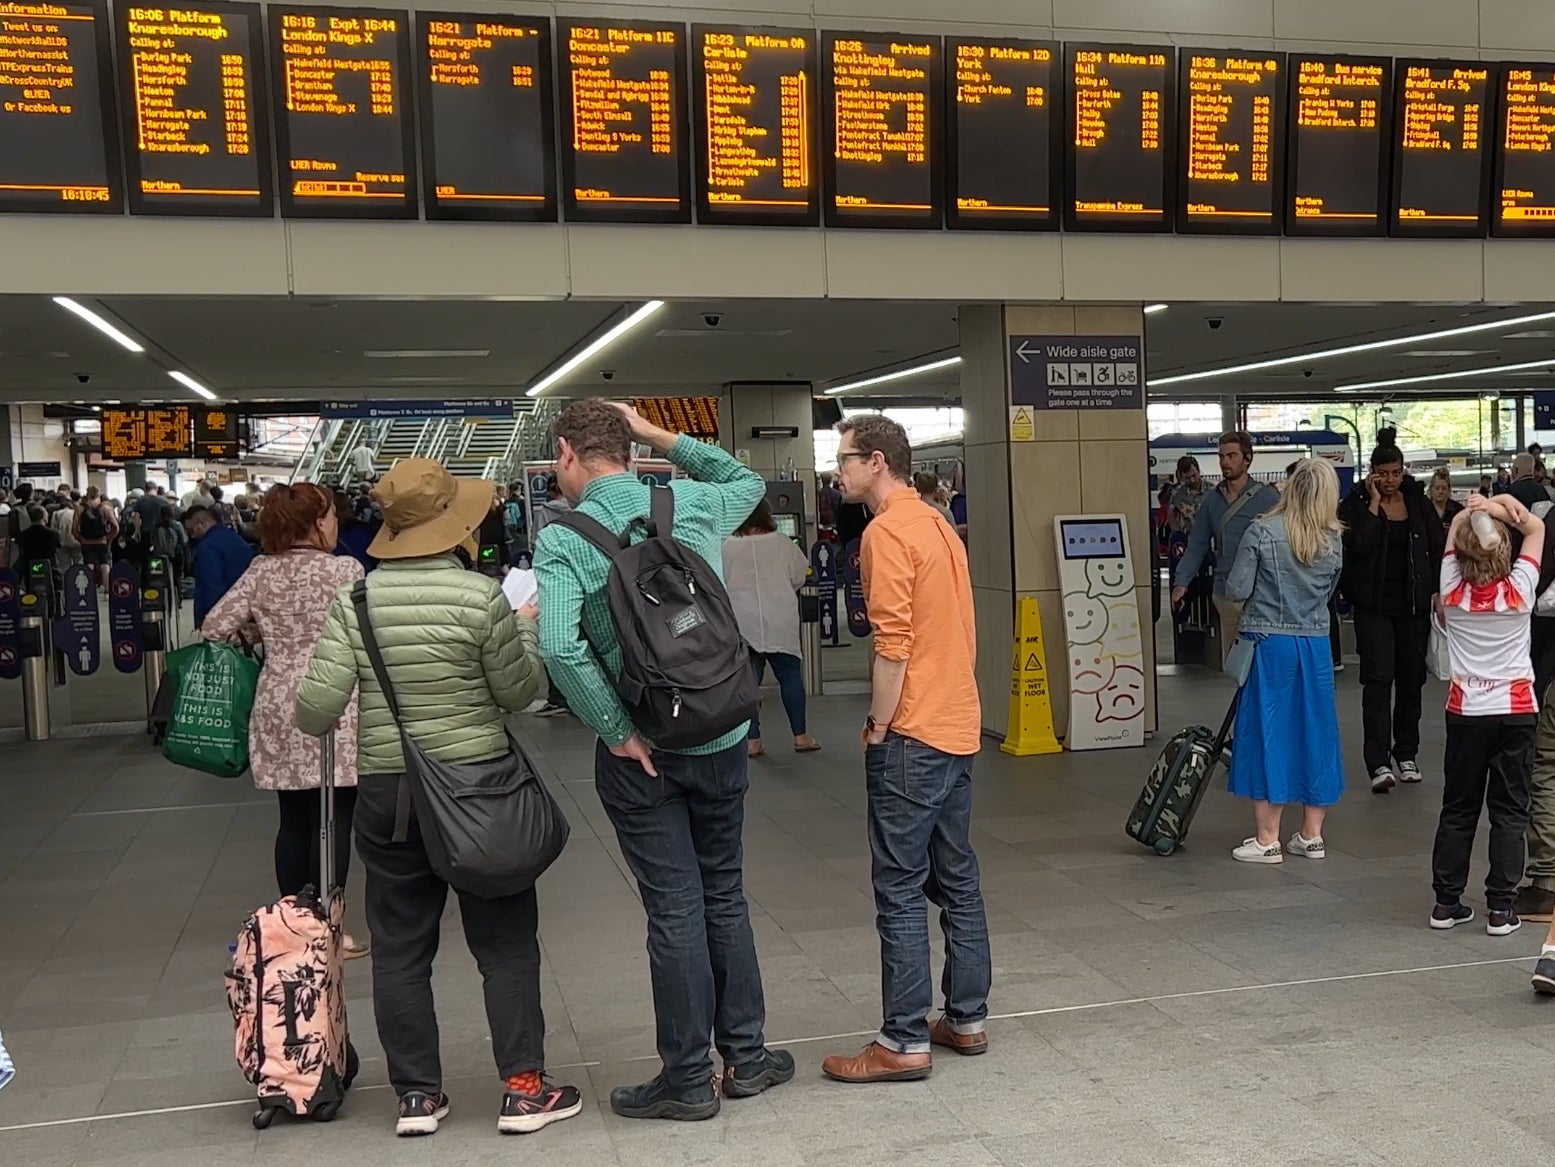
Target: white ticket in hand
x,y
520,587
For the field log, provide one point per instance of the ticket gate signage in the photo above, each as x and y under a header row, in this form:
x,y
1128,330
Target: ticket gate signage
x,y
124,616
78,633
853,594
10,626
823,563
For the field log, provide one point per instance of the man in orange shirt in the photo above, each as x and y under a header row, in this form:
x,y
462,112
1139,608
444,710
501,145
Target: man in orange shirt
x,y
922,734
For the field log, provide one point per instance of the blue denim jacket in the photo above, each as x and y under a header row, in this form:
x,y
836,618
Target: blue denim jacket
x,y
1281,595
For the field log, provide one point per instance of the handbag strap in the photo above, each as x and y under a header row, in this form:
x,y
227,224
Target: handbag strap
x,y
364,624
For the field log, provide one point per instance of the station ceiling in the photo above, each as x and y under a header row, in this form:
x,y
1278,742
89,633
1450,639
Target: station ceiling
x,y
299,349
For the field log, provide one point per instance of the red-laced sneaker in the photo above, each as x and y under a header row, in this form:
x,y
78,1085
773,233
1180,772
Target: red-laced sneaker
x,y
531,1104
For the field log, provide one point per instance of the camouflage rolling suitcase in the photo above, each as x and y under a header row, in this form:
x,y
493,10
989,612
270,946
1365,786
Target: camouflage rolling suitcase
x,y
1176,785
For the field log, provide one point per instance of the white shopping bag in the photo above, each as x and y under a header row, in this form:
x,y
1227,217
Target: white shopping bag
x,y
1436,656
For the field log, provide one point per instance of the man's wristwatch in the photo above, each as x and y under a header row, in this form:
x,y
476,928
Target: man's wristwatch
x,y
874,726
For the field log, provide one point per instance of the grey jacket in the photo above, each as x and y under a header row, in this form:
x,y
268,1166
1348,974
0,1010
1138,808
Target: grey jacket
x,y
1281,595
1211,533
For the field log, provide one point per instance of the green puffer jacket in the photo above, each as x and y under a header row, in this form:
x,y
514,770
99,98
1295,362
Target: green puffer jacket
x,y
457,656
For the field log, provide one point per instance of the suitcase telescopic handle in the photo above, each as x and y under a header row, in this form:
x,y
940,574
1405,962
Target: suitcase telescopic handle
x,y
327,814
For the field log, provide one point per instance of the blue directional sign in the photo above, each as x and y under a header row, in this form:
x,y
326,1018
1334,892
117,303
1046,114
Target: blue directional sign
x,y
124,617
78,633
823,559
1076,372
10,626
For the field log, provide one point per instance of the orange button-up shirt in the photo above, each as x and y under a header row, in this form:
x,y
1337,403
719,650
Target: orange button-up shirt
x,y
919,595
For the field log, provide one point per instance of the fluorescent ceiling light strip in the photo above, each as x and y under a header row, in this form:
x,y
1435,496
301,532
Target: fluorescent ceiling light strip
x,y
1348,350
1152,309
1427,378
97,322
190,383
898,375
598,344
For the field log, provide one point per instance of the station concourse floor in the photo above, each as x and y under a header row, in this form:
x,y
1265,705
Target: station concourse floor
x,y
1182,1011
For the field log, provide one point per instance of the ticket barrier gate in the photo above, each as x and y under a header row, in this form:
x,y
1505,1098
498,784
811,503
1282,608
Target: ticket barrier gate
x,y
158,632
38,604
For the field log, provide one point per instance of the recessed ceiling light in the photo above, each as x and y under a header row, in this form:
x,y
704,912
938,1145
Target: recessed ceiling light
x,y
1152,309
99,323
191,384
598,344
703,333
1533,334
1460,374
897,375
424,380
1428,353
392,354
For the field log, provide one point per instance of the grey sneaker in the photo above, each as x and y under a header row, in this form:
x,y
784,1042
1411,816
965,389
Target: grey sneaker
x,y
1408,772
1382,780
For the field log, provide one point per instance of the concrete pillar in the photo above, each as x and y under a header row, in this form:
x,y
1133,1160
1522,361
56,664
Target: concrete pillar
x,y
134,476
1081,461
745,405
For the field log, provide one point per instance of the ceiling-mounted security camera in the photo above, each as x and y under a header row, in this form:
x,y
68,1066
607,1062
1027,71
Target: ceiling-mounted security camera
x,y
608,374
712,319
83,377
1215,322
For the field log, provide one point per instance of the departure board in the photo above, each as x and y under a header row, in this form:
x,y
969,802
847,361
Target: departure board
x,y
345,134
1442,152
157,432
1524,188
696,417
1232,118
1004,139
196,124
884,103
1339,156
755,94
487,119
624,146
58,137
1121,161
215,434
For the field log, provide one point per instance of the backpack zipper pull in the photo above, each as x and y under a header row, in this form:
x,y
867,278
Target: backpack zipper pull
x,y
675,707
691,583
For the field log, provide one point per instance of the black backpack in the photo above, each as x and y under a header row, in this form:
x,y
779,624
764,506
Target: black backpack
x,y
93,525
686,678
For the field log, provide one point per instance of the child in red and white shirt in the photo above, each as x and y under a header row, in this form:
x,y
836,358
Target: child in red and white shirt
x,y
1487,597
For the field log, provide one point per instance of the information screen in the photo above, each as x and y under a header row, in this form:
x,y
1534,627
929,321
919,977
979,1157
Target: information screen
x,y
1092,538
1121,134
215,434
1339,118
58,137
196,130
345,134
884,102
1232,113
487,138
694,416
1525,163
624,149
1002,142
159,432
1441,149
755,92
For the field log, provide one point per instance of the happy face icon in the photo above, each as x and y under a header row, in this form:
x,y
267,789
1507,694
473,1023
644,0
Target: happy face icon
x,y
1086,618
1123,697
1107,577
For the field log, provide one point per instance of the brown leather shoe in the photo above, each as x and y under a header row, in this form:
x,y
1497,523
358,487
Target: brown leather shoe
x,y
965,1044
878,1064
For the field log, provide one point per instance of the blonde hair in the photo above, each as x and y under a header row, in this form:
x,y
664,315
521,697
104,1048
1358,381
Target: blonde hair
x,y
1484,548
1310,508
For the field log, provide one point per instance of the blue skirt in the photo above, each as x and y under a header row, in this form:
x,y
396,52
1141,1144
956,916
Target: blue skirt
x,y
1286,745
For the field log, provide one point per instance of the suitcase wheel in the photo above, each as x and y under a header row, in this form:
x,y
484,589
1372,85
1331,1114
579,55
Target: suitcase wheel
x,y
263,1117
353,1066
326,1112
1165,846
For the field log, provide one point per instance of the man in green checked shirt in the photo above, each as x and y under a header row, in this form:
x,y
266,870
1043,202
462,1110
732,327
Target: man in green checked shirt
x,y
679,816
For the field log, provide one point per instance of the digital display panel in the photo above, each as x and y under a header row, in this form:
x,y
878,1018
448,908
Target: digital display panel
x,y
1524,188
58,138
1092,538
1003,135
157,432
215,434
884,100
624,147
487,120
694,416
1339,119
196,125
1441,148
344,129
1232,118
756,97
1121,135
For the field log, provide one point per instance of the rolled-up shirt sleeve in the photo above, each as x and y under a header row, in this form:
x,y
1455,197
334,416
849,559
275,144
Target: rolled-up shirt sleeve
x,y
885,563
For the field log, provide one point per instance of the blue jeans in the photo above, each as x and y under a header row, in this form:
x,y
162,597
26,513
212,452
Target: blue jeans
x,y
920,819
790,684
681,836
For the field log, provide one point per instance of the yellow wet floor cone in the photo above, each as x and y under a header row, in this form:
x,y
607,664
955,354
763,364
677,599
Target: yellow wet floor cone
x,y
1031,708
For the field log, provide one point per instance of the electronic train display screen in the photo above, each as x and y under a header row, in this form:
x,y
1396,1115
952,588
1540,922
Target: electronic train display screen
x,y
58,137
884,99
1442,155
1339,120
1002,140
1120,161
1231,110
131,435
215,434
344,129
1523,201
487,139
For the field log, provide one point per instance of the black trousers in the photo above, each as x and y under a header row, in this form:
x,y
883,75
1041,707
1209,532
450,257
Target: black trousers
x,y
1392,651
1542,649
297,840
1486,766
404,912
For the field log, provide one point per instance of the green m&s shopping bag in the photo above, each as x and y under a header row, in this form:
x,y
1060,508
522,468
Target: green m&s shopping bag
x,y
213,686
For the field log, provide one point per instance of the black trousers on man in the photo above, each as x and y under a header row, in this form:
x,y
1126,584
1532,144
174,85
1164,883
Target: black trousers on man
x,y
1392,651
1486,766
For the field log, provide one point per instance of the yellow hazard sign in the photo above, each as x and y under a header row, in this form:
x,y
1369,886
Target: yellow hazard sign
x,y
1031,706
1023,425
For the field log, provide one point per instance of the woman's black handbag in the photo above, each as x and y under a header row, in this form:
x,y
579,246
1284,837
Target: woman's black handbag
x,y
490,828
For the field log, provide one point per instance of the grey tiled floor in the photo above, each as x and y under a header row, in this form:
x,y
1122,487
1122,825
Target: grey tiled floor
x,y
1182,1011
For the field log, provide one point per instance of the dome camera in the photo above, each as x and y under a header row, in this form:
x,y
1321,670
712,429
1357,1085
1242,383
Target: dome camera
x,y
712,319
1215,322
608,374
83,377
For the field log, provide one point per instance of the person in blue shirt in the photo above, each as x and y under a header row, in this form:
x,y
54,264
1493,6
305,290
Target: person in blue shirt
x,y
221,555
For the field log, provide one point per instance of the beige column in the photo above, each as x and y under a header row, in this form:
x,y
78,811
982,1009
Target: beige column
x,y
746,406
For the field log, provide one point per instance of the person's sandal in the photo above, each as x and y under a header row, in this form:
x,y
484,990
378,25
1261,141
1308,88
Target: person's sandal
x,y
805,744
754,748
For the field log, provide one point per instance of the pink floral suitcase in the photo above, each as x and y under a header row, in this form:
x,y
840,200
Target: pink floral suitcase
x,y
286,989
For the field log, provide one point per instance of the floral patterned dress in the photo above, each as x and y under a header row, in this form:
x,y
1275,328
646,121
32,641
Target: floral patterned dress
x,y
288,596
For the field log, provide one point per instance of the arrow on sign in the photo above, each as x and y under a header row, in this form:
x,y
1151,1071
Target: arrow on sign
x,y
1020,351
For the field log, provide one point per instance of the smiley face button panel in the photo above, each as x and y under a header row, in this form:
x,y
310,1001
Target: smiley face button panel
x,y
1085,618
1108,577
1103,630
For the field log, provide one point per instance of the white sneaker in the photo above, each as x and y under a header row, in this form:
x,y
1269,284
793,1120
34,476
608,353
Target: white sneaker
x,y
1311,848
1252,851
1382,780
1408,772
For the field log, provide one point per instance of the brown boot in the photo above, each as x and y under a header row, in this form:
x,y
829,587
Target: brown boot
x,y
878,1064
966,1044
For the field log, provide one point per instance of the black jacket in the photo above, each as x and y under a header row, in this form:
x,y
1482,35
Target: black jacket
x,y
1361,579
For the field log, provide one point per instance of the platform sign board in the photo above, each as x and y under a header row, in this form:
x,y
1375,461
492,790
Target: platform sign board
x,y
39,471
10,626
391,410
1543,412
124,617
78,633
823,561
1077,372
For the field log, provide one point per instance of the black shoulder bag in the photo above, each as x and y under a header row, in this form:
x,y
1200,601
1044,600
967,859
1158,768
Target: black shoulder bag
x,y
490,828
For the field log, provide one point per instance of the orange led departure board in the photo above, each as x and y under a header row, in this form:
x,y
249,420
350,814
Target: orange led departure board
x,y
487,142
884,104
624,147
157,432
696,417
58,136
1339,155
197,139
1122,136
756,101
1003,134
1442,155
1524,188
215,434
344,130
1232,118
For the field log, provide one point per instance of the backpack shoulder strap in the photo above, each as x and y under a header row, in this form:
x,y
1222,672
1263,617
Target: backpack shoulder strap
x,y
661,512
593,530
364,624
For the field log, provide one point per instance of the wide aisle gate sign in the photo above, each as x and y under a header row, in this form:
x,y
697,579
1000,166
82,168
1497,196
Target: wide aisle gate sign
x,y
1076,372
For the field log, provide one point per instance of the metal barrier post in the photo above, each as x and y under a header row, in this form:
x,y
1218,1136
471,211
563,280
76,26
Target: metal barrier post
x,y
36,716
154,630
810,637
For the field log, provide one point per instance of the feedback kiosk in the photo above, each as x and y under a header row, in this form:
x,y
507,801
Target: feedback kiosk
x,y
1102,640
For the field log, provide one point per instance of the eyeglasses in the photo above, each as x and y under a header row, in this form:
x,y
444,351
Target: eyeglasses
x,y
844,455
